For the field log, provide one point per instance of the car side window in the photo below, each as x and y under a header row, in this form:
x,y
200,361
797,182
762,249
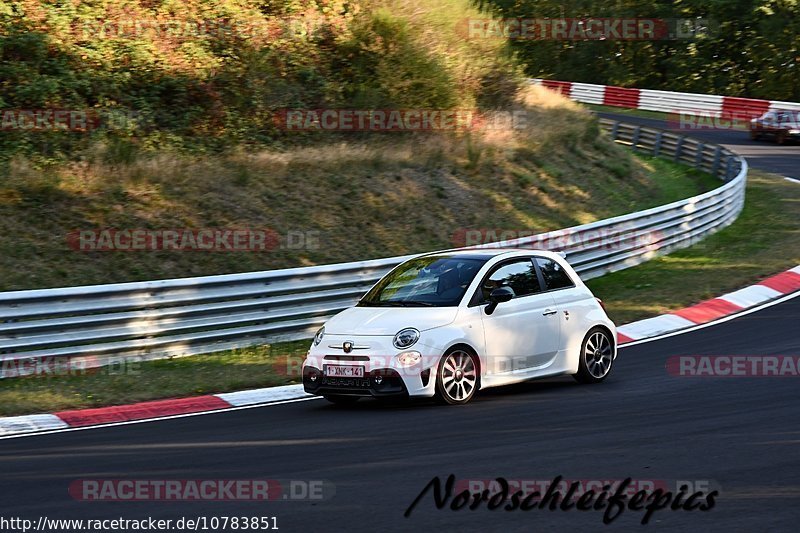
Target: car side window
x,y
555,277
519,275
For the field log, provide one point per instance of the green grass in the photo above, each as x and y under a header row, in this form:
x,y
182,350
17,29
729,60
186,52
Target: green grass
x,y
675,182
764,240
626,111
259,366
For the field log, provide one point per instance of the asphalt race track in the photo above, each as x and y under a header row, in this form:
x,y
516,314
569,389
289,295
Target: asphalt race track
x,y
763,155
740,433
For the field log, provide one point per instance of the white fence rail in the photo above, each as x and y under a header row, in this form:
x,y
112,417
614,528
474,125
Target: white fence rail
x,y
712,105
652,100
94,325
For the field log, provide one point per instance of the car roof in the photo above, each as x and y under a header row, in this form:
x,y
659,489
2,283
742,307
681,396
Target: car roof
x,y
488,253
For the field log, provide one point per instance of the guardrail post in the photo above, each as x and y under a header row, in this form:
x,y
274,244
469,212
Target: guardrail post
x,y
679,147
715,165
615,130
729,168
698,156
659,139
635,140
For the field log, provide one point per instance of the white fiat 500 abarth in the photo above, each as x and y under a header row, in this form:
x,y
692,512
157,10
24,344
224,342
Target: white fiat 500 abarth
x,y
448,324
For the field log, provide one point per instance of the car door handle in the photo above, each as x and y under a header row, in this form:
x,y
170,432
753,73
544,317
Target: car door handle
x,y
549,312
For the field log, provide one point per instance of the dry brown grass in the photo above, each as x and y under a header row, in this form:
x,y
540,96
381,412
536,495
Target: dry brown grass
x,y
368,196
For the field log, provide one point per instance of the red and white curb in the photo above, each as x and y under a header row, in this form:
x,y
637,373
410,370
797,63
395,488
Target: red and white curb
x,y
664,101
730,304
714,309
147,410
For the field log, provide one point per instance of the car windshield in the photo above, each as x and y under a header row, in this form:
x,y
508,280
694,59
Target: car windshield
x,y
430,281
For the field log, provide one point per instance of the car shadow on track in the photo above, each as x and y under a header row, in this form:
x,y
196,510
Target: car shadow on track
x,y
522,390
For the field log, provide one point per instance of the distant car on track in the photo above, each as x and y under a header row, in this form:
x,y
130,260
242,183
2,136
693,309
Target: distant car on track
x,y
448,324
778,125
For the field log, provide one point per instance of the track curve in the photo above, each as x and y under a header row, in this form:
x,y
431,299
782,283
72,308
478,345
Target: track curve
x,y
642,423
763,155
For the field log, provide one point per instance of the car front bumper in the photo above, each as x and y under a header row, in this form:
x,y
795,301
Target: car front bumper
x,y
382,375
381,382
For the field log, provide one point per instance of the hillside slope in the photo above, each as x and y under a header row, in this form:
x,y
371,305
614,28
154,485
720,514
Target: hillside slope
x,y
189,138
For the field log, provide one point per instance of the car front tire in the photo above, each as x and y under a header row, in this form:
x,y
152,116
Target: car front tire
x,y
596,358
457,378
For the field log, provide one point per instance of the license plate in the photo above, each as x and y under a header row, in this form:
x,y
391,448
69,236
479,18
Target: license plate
x,y
342,371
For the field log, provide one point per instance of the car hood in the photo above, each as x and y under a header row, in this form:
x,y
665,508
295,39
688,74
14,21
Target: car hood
x,y
388,320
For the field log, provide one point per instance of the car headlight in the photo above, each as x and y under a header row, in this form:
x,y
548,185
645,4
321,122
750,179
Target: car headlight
x,y
319,335
409,358
794,132
405,338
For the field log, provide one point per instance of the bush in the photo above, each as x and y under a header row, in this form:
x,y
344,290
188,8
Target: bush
x,y
202,77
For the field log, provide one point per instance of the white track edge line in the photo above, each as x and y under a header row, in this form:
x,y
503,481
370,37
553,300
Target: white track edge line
x,y
720,320
165,417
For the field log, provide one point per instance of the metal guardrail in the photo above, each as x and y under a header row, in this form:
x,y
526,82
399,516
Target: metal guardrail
x,y
94,325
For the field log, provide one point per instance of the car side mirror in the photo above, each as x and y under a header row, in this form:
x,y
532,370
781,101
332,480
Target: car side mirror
x,y
497,296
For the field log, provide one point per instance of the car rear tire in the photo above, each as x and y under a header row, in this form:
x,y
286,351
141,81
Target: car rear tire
x,y
597,357
780,137
457,378
339,399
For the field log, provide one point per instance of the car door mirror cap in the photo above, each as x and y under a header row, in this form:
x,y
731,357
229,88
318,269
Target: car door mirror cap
x,y
497,296
501,294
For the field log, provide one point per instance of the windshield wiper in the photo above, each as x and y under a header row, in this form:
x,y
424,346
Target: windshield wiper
x,y
398,303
